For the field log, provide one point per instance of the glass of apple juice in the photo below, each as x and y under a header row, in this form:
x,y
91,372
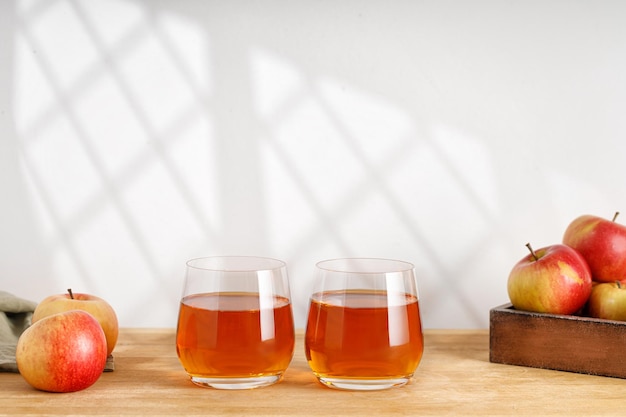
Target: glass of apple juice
x,y
364,329
235,323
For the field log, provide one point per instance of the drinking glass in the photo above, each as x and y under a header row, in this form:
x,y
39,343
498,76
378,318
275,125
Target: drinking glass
x,y
364,329
235,323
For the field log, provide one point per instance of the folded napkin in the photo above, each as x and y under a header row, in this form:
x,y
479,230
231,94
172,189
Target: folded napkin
x,y
15,317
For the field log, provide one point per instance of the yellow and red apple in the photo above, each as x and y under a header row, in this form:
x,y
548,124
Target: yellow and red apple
x,y
555,279
96,306
608,301
63,352
602,243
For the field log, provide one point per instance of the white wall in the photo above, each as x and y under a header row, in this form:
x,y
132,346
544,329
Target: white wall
x,y
137,134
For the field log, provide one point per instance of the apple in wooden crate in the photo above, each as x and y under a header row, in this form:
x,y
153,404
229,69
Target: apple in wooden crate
x,y
602,243
63,352
608,301
96,306
555,279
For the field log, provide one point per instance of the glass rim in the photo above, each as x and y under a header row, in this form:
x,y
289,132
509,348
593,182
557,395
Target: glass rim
x,y
226,267
342,265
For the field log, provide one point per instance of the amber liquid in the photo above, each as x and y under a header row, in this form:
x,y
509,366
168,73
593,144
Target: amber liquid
x,y
358,334
231,335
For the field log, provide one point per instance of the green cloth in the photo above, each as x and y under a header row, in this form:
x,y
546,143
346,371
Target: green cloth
x,y
15,317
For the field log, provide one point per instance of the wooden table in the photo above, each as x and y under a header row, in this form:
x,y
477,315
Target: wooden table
x,y
454,378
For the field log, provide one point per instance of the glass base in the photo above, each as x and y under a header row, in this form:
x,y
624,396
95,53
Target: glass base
x,y
363,384
236,382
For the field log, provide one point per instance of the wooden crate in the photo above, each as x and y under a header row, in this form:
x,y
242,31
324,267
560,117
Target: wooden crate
x,y
550,341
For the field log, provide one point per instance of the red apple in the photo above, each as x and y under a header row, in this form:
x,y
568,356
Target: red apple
x,y
608,301
554,279
63,352
602,243
97,307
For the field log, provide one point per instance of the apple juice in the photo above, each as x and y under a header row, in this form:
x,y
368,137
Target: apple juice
x,y
359,334
234,335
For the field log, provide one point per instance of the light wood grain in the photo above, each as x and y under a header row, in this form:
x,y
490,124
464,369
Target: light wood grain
x,y
454,378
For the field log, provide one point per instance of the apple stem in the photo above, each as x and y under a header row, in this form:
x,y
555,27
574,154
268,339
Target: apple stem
x,y
532,252
615,216
70,291
618,284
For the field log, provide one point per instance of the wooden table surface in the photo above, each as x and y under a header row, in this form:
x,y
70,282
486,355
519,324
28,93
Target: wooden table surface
x,y
455,377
